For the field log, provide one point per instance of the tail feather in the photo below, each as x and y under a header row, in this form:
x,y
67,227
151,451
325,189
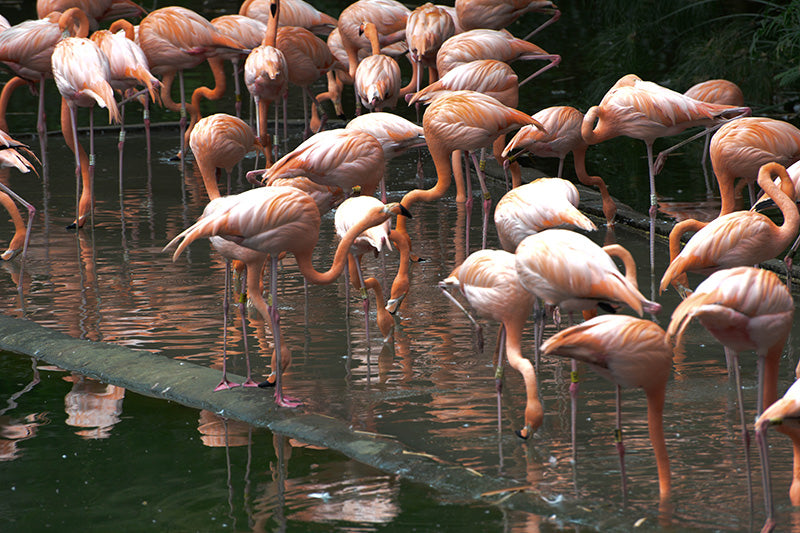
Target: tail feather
x,y
203,228
103,94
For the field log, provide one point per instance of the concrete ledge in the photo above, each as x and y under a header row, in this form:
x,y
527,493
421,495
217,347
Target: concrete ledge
x,y
192,385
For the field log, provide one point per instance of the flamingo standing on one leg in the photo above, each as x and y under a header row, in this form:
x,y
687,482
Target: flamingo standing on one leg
x,y
562,136
82,75
274,220
739,238
630,352
744,308
460,120
488,280
644,110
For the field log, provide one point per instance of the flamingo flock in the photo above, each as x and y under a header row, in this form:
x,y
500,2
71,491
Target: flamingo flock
x,y
470,104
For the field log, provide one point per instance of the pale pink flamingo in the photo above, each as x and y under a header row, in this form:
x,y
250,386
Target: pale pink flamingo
x,y
95,10
489,282
427,27
377,77
274,220
744,308
739,238
645,110
371,240
342,158
629,352
562,135
82,75
490,44
716,91
497,14
266,75
568,270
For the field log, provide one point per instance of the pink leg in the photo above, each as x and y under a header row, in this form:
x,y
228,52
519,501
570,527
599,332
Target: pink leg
x,y
224,382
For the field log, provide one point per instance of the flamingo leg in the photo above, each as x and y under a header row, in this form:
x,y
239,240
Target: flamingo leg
x,y
766,478
745,434
224,382
275,319
183,115
121,145
487,197
618,443
243,314
498,376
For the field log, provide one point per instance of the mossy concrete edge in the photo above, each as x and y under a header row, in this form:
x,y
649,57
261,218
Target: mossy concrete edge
x,y
192,385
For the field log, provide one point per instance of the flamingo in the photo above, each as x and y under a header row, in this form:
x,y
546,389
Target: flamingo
x,y
739,238
630,352
266,75
784,414
497,14
273,220
377,77
716,91
175,39
427,27
740,148
568,270
490,44
82,75
389,18
295,13
308,58
536,206
342,158
95,10
744,308
488,280
10,156
645,110
372,239
249,32
129,68
27,49
459,120
562,136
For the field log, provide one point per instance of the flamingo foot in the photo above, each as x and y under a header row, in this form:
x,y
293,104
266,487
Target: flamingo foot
x,y
225,384
286,401
250,383
769,526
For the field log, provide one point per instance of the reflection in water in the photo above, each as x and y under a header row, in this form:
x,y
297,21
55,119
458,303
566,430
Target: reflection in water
x,y
92,405
14,430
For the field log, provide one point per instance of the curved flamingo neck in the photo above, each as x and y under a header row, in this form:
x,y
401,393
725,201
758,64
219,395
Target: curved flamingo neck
x,y
126,26
579,162
615,250
444,170
74,21
374,217
534,412
588,127
783,198
371,33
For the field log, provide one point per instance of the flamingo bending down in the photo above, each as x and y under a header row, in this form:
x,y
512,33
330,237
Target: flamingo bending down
x,y
389,18
273,220
568,270
645,110
562,136
784,414
630,352
427,27
460,120
82,75
739,238
10,156
488,280
372,239
249,32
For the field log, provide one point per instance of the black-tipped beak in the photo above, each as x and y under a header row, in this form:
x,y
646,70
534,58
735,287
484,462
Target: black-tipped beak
x,y
405,212
764,205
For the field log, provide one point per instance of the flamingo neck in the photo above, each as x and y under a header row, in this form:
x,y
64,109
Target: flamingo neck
x,y
74,22
588,129
271,35
615,250
783,198
655,424
126,26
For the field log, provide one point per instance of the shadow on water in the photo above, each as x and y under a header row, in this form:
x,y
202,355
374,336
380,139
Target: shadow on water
x,y
77,452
